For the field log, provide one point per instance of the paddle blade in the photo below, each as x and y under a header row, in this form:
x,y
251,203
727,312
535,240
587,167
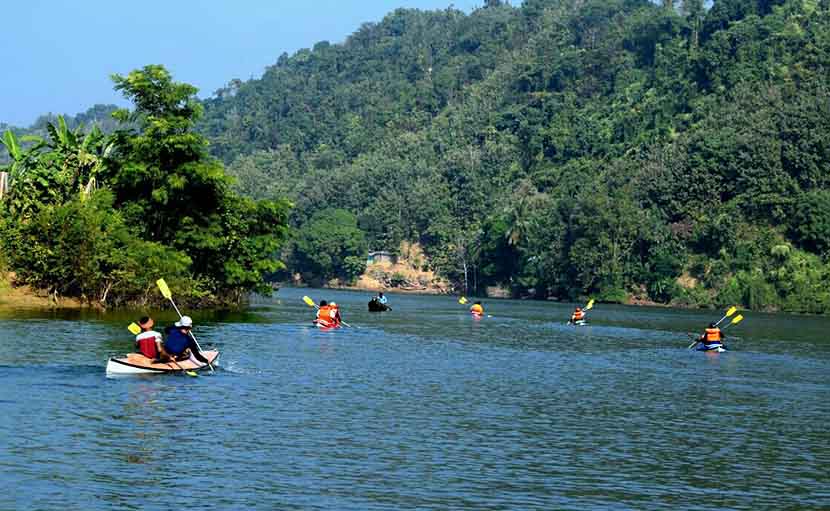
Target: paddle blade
x,y
737,319
309,301
165,291
134,329
191,373
731,311
462,300
590,304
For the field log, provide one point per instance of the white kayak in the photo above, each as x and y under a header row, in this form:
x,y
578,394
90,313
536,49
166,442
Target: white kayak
x,y
136,363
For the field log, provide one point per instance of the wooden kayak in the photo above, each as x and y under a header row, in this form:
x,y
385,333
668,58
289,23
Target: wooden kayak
x,y
136,363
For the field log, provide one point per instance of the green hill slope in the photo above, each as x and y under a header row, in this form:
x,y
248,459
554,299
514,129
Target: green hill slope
x,y
610,148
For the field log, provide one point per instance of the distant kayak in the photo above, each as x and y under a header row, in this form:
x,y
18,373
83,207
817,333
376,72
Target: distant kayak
x,y
581,322
136,363
376,306
716,347
322,326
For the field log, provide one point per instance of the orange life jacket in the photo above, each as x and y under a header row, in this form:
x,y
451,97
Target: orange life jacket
x,y
477,309
578,316
324,316
713,335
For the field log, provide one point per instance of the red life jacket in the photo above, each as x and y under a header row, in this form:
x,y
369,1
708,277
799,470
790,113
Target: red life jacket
x,y
713,335
578,316
147,344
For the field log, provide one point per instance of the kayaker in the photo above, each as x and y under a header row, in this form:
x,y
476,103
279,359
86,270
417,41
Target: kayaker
x,y
712,338
381,299
149,342
477,309
179,343
326,315
335,314
578,315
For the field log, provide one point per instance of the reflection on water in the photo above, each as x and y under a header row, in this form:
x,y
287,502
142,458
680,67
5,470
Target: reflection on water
x,y
420,408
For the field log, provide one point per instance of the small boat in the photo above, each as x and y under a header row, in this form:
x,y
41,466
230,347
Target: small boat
x,y
376,306
136,363
581,322
323,326
716,347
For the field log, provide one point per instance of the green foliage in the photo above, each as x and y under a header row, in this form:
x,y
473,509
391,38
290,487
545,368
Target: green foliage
x,y
83,248
603,147
331,246
163,207
810,223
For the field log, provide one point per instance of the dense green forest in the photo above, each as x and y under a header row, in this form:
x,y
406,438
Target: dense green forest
x,y
612,148
619,149
101,216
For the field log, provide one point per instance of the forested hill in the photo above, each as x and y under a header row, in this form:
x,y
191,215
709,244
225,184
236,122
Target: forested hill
x,y
609,148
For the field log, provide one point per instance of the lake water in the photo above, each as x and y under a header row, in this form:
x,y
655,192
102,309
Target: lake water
x,y
420,408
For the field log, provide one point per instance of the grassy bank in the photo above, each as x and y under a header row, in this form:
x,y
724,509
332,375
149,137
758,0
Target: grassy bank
x,y
12,296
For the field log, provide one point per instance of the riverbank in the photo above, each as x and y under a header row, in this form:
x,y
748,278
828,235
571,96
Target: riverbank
x,y
12,296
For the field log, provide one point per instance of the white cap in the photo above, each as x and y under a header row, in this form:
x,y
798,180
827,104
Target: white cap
x,y
185,322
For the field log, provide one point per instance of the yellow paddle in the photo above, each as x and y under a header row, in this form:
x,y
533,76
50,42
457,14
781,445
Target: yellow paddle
x,y
737,319
728,313
308,301
165,291
462,300
135,330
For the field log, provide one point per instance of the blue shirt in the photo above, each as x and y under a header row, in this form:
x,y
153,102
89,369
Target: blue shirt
x,y
176,341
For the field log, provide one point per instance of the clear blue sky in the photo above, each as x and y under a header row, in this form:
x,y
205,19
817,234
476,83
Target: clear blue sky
x,y
57,55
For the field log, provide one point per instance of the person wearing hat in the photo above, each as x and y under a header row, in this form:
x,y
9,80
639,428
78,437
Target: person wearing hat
x,y
179,343
149,342
335,314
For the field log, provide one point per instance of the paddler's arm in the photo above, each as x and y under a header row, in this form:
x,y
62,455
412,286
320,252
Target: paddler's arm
x,y
194,349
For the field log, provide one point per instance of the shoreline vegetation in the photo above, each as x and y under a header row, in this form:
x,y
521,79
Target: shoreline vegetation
x,y
100,217
633,152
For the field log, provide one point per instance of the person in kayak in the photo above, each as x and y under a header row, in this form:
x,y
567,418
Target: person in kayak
x,y
381,299
335,314
712,338
180,344
327,315
149,342
477,309
578,315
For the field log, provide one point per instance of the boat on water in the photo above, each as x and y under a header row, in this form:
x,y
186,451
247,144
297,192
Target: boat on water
x,y
715,347
325,326
136,363
376,306
581,322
